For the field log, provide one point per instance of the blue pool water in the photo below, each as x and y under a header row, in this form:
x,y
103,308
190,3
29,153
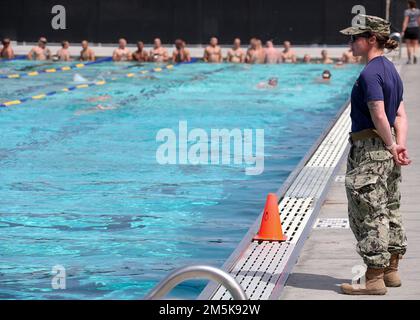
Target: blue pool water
x,y
80,186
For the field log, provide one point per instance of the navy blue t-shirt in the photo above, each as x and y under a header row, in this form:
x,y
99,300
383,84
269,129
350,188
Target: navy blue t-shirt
x,y
379,81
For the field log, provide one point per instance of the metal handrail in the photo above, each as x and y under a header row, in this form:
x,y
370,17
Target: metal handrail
x,y
197,272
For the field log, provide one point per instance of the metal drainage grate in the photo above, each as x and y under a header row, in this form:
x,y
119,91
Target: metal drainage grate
x,y
294,214
332,223
314,177
258,270
262,268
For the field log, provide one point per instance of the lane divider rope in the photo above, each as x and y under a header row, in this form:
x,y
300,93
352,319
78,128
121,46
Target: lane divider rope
x,y
82,86
52,70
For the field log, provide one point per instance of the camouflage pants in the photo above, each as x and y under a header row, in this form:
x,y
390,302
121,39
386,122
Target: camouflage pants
x,y
372,187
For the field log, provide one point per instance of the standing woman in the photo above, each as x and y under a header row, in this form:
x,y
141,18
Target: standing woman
x,y
378,150
410,30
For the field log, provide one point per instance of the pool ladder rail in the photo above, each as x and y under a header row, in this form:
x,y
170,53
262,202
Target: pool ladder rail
x,y
197,272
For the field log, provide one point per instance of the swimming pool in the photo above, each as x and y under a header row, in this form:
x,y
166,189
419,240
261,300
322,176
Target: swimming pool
x,y
81,186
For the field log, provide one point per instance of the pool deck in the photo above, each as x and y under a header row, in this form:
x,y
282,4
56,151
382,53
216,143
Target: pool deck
x,y
329,255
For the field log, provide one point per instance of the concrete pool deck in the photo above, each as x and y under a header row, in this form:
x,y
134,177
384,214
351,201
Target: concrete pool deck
x,y
329,255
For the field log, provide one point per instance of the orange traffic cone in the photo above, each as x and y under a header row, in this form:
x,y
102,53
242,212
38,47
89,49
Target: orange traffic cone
x,y
270,229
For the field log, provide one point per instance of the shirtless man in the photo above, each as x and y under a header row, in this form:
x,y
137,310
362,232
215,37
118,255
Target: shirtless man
x,y
87,53
6,52
101,98
40,52
140,54
255,53
288,54
180,54
270,84
158,53
348,57
271,54
325,59
307,58
236,54
122,53
260,52
213,53
251,50
63,54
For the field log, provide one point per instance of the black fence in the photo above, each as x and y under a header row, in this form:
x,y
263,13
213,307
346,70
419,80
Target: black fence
x,y
104,21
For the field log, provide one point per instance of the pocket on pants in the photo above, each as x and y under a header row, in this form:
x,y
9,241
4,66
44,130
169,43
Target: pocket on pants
x,y
380,155
361,182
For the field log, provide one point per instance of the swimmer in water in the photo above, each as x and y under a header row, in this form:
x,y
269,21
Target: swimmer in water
x,y
325,58
100,98
325,78
288,54
63,54
272,55
40,52
255,53
77,78
180,54
158,53
213,53
122,53
99,107
236,54
348,57
270,84
87,53
140,54
103,108
326,75
6,52
307,58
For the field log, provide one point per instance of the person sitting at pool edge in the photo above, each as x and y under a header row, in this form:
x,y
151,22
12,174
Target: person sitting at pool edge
x,y
122,53
251,50
325,59
236,54
255,53
180,54
6,52
87,53
140,54
288,54
63,54
40,52
272,55
307,58
213,53
348,57
158,53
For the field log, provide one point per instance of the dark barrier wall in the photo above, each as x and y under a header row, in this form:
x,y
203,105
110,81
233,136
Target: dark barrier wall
x,y
104,21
